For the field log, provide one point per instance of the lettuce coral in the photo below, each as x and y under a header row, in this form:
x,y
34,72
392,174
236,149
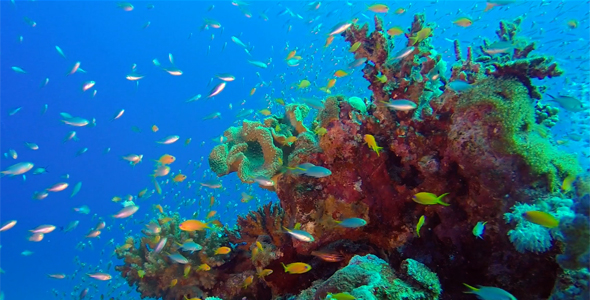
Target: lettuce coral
x,y
250,151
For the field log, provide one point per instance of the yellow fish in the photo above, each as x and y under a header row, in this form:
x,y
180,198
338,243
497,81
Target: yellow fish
x,y
187,270
341,296
395,31
265,112
320,131
568,183
370,141
264,273
247,281
204,267
252,91
421,35
280,101
340,73
140,273
419,226
173,282
303,84
429,199
296,268
541,218
354,47
259,246
155,128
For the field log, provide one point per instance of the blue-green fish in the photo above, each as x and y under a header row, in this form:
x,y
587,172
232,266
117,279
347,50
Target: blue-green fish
x,y
478,229
352,222
489,293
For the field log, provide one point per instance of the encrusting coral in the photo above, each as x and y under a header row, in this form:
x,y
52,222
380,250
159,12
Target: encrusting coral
x,y
371,278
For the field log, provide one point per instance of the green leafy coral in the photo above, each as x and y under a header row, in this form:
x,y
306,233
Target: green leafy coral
x,y
519,134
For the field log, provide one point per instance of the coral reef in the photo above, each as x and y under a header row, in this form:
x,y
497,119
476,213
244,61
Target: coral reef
x,y
371,278
484,144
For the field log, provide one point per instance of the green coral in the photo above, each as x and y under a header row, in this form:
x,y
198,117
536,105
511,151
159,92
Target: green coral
x,y
519,133
250,151
358,104
371,278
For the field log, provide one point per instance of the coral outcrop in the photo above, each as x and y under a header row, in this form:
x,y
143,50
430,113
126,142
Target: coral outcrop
x,y
476,135
371,278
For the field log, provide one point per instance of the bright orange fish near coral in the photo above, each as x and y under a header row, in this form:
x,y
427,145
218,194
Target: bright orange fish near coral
x,y
193,225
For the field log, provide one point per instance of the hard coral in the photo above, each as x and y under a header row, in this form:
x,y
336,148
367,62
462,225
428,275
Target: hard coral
x,y
371,278
250,151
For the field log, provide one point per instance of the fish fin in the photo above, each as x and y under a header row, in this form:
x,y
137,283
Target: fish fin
x,y
488,6
439,200
472,289
284,266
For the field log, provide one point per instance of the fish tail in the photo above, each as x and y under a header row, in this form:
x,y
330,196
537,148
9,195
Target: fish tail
x,y
472,289
284,266
439,200
414,39
488,6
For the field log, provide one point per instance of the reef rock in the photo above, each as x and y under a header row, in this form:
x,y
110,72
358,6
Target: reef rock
x,y
371,278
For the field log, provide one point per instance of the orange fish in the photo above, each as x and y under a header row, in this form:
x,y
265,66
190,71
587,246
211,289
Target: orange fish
x,y
159,207
157,186
328,256
247,281
291,54
222,250
212,201
179,178
155,128
252,91
400,11
340,73
378,8
211,214
463,22
166,159
394,31
193,225
331,83
142,193
329,41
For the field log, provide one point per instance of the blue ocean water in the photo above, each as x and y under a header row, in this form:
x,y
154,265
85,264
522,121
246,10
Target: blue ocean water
x,y
108,41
